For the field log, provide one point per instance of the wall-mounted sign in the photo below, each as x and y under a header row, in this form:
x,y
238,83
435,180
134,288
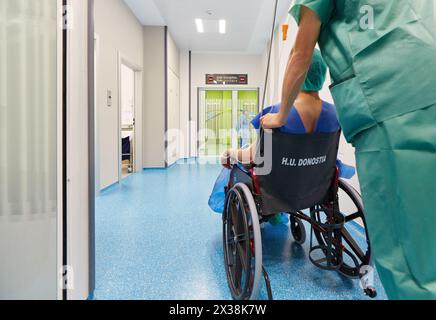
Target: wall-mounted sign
x,y
227,79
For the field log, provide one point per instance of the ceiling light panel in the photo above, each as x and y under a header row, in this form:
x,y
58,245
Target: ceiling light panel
x,y
222,26
200,25
211,26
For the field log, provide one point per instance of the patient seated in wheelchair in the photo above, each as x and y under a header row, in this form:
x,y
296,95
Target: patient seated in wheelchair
x,y
310,114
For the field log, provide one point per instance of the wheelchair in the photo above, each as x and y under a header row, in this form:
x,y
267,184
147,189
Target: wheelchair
x,y
303,181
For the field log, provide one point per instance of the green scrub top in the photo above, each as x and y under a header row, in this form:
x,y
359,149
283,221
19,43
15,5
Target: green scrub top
x,y
381,55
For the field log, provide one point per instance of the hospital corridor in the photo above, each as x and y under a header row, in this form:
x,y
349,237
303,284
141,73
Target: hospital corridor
x,y
203,151
175,251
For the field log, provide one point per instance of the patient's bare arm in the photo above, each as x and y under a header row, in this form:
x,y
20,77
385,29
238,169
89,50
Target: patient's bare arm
x,y
244,156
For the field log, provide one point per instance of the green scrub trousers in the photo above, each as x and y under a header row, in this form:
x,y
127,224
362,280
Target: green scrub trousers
x,y
382,59
398,181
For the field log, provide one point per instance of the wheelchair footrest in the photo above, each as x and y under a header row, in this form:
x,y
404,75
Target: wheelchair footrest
x,y
324,258
328,253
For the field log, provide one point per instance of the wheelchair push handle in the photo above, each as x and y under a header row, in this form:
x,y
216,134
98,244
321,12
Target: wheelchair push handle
x,y
261,142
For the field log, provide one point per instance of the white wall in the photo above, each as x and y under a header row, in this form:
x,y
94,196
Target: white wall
x,y
118,31
184,104
154,97
173,94
203,63
161,97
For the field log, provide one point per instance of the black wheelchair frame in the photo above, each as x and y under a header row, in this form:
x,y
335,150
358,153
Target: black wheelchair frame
x,y
248,206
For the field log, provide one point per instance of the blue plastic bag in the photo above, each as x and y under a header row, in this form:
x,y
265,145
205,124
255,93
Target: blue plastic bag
x,y
218,197
345,171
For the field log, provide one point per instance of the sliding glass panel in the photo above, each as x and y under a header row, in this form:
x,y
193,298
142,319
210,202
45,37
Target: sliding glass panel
x,y
218,122
28,149
248,108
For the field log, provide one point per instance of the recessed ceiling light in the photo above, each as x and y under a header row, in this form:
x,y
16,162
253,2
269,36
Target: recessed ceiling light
x,y
200,26
222,26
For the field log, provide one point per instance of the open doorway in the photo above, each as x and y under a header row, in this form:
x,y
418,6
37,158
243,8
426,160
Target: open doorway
x,y
130,98
127,98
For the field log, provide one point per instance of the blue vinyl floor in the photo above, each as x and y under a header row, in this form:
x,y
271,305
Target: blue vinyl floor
x,y
156,238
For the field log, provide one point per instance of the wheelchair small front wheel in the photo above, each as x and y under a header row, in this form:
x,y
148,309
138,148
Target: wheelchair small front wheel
x,y
298,230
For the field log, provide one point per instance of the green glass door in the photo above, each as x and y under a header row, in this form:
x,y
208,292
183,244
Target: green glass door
x,y
218,122
248,108
225,118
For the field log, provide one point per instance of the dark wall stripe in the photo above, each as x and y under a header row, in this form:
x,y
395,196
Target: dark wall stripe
x,y
190,104
64,150
91,143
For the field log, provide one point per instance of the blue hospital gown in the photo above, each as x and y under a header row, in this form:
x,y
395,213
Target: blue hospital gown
x,y
327,123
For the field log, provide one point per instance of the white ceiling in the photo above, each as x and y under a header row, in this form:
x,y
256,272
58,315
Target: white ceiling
x,y
248,22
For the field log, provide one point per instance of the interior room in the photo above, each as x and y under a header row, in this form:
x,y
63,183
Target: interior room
x,y
150,224
217,150
136,102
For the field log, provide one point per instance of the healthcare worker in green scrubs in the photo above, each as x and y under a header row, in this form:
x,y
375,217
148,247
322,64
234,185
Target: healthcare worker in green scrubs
x,y
382,59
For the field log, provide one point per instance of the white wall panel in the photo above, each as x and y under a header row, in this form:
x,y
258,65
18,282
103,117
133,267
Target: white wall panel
x,y
118,31
154,97
184,103
173,94
29,109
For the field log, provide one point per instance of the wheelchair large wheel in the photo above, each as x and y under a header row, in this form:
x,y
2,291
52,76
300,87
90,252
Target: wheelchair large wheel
x,y
355,239
242,244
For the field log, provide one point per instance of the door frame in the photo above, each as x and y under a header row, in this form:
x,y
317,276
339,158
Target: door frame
x,y
61,159
219,88
76,229
96,113
137,138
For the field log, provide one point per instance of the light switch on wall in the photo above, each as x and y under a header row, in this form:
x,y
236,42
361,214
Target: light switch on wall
x,y
109,98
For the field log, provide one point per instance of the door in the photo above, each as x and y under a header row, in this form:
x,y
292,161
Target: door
x,y
247,110
218,122
31,148
173,130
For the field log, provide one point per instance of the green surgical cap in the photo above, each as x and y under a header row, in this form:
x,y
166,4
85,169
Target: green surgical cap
x,y
317,73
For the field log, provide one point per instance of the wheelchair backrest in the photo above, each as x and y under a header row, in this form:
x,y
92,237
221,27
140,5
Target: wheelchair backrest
x,y
303,168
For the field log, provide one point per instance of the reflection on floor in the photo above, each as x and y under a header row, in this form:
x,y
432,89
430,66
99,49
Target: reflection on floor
x,y
157,239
